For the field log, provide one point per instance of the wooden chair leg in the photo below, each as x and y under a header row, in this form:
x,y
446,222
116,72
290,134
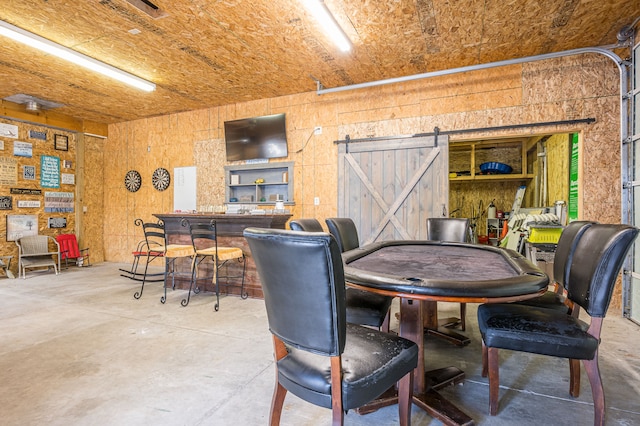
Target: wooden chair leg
x,y
385,324
484,360
574,377
405,398
494,380
593,372
277,401
463,316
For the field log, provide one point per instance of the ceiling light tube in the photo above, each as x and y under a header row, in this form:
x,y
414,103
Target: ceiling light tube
x,y
49,47
328,23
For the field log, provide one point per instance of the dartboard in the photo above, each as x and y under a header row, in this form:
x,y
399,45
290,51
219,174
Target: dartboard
x,y
132,180
161,179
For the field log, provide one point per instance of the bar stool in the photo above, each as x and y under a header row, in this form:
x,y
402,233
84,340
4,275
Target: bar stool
x,y
157,247
204,241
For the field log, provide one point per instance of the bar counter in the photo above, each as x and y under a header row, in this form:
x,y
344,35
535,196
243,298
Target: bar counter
x,y
229,230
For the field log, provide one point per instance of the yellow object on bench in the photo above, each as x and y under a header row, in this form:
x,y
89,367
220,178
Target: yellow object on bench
x,y
545,234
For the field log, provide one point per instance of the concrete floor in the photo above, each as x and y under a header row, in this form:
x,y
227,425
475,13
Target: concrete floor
x,y
78,349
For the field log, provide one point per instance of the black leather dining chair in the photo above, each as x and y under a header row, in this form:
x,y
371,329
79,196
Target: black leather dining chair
x,y
450,229
595,265
320,357
363,307
556,299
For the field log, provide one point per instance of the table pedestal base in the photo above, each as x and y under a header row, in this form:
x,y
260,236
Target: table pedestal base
x,y
430,400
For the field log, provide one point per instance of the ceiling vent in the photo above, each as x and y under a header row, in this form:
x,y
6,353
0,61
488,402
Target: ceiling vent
x,y
31,103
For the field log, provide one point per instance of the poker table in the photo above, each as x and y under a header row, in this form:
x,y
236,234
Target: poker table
x,y
421,272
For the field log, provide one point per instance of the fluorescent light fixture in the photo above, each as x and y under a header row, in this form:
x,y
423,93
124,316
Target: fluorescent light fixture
x,y
328,23
49,47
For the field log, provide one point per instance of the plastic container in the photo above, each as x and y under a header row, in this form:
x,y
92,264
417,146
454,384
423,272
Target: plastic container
x,y
545,234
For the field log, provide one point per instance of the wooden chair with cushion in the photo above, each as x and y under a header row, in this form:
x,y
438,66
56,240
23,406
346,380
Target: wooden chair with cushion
x,y
204,239
450,229
363,307
37,251
595,265
320,357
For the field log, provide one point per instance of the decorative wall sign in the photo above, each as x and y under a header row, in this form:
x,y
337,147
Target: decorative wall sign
x,y
29,204
6,202
161,179
8,130
132,180
21,225
8,171
67,164
34,134
57,222
49,171
25,191
61,142
22,149
68,178
58,202
29,172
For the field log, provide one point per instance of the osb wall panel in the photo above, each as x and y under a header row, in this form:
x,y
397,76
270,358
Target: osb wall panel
x,y
558,159
562,89
39,148
91,196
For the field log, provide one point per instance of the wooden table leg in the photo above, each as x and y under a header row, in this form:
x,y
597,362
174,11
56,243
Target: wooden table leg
x,y
436,328
426,384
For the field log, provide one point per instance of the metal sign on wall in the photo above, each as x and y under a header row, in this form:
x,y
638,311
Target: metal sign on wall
x,y
6,202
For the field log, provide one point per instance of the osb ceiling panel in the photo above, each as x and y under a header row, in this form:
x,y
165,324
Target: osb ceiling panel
x,y
205,53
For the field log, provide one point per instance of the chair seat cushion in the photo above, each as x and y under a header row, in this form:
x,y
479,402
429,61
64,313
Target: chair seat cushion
x,y
549,300
224,253
178,250
535,330
367,308
367,371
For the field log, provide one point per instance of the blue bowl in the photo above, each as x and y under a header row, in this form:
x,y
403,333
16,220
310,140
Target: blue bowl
x,y
493,167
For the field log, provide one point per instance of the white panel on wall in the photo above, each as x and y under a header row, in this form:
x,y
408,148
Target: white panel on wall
x,y
184,189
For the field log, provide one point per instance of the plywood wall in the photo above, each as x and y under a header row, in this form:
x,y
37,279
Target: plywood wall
x,y
560,89
16,165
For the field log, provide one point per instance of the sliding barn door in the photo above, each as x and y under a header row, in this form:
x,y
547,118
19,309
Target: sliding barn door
x,y
390,187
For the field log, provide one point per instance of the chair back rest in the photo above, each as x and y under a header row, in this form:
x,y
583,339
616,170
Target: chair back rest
x,y
308,225
68,246
448,229
203,235
596,262
154,234
569,238
34,244
345,232
304,290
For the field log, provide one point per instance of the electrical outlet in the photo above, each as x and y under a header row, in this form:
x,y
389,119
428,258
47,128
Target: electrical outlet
x,y
317,130
316,201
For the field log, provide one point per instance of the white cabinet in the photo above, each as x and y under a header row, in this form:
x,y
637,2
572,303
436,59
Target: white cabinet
x,y
259,183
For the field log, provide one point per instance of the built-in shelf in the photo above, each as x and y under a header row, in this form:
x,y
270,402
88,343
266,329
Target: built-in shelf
x,y
261,184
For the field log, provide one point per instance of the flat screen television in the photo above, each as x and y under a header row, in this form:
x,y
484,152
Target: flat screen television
x,y
257,137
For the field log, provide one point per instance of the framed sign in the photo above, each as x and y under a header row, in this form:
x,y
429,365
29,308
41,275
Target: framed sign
x,y
21,225
49,171
61,142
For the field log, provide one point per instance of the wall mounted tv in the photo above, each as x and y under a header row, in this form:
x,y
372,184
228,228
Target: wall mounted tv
x,y
257,137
